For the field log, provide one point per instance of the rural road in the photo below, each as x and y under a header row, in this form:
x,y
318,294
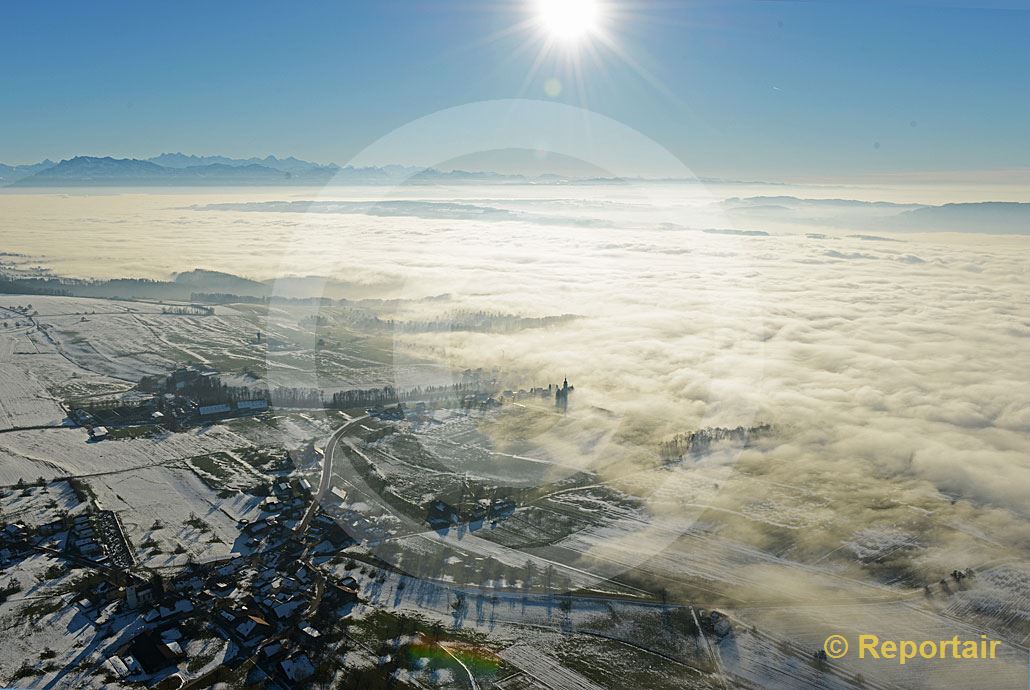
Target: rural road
x,y
327,472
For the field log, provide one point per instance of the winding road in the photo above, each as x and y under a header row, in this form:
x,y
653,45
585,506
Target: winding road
x,y
327,473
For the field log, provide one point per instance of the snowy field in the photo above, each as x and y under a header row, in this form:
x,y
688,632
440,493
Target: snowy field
x,y
24,402
168,509
37,505
62,452
83,347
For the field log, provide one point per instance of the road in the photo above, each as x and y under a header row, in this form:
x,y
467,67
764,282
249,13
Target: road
x,y
327,473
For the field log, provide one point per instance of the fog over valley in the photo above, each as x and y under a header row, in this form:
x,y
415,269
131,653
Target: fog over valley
x,y
788,407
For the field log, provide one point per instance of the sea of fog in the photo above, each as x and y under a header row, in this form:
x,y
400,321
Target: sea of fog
x,y
881,355
890,363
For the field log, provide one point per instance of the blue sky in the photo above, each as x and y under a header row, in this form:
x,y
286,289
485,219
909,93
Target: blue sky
x,y
746,89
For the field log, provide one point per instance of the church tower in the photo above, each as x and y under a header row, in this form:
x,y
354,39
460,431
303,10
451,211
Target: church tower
x,y
561,395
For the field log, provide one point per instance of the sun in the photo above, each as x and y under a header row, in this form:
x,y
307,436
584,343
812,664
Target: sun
x,y
568,20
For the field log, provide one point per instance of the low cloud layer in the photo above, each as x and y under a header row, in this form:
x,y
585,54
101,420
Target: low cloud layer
x,y
891,365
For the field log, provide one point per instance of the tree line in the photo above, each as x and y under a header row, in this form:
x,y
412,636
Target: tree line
x,y
699,442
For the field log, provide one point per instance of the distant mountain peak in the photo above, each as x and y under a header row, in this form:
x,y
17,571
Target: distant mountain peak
x,y
289,164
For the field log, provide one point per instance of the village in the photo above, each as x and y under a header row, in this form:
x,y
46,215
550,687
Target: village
x,y
193,394
277,602
273,603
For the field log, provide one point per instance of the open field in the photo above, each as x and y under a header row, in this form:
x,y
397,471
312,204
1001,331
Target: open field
x,y
68,452
189,517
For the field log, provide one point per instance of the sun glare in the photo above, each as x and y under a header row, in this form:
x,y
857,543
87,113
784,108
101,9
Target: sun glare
x,y
568,20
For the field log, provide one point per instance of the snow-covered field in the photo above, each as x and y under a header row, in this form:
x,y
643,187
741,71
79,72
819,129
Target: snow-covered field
x,y
24,401
67,452
36,505
157,505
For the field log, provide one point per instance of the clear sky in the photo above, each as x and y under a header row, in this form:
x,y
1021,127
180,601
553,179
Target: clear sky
x,y
746,89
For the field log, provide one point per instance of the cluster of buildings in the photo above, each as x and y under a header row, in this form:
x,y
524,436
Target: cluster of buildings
x,y
483,397
272,606
560,394
274,603
195,393
441,515
189,395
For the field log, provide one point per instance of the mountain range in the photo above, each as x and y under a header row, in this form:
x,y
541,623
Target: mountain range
x,y
171,169
13,173
288,164
178,169
986,217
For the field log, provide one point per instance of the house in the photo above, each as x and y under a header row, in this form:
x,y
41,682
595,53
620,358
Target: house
x,y
308,631
272,651
339,595
297,668
139,594
253,628
253,405
171,635
222,588
720,623
287,609
181,606
155,653
117,666
171,649
441,515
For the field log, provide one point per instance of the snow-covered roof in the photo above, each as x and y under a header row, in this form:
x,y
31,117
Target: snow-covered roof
x,y
246,627
308,630
252,404
117,666
284,610
297,668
